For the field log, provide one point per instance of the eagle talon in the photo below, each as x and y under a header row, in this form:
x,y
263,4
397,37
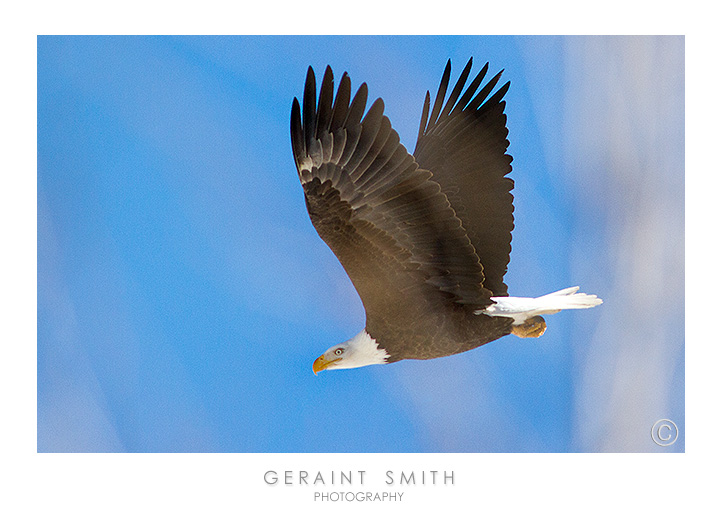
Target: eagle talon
x,y
533,327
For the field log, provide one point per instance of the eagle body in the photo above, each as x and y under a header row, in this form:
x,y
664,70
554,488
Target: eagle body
x,y
408,329
425,238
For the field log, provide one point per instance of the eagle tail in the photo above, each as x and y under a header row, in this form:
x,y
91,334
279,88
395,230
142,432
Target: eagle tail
x,y
523,308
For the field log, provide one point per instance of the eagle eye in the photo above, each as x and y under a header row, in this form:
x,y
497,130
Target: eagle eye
x,y
338,352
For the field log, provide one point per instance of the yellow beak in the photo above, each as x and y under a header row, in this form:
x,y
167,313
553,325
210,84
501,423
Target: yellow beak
x,y
322,363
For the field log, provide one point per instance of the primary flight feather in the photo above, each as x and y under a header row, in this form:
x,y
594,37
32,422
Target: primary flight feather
x,y
425,238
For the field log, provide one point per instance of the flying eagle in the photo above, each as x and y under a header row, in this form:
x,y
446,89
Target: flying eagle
x,y
425,238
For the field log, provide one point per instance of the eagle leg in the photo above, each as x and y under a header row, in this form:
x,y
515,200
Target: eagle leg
x,y
533,327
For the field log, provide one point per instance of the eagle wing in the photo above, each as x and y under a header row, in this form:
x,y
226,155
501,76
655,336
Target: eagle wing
x,y
464,143
386,219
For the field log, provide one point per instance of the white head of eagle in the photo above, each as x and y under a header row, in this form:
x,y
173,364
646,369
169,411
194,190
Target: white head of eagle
x,y
424,237
356,352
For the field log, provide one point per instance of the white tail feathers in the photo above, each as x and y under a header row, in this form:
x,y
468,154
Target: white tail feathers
x,y
522,308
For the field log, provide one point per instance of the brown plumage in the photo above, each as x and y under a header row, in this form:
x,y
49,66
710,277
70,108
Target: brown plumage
x,y
425,238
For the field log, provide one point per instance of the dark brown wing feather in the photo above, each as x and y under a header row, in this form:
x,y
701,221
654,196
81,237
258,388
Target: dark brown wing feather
x,y
464,145
387,221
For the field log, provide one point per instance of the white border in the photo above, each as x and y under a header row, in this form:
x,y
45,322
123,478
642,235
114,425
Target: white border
x,y
232,485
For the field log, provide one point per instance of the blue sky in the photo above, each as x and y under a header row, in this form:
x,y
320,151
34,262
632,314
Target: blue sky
x,y
183,292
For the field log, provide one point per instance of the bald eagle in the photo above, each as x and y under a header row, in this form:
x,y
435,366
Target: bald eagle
x,y
425,238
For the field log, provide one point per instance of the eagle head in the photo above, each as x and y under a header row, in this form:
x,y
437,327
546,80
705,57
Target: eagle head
x,y
359,351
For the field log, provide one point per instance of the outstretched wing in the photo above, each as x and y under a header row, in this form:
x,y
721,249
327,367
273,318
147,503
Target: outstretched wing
x,y
463,142
386,219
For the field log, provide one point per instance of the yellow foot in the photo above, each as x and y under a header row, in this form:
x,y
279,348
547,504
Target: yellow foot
x,y
532,327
